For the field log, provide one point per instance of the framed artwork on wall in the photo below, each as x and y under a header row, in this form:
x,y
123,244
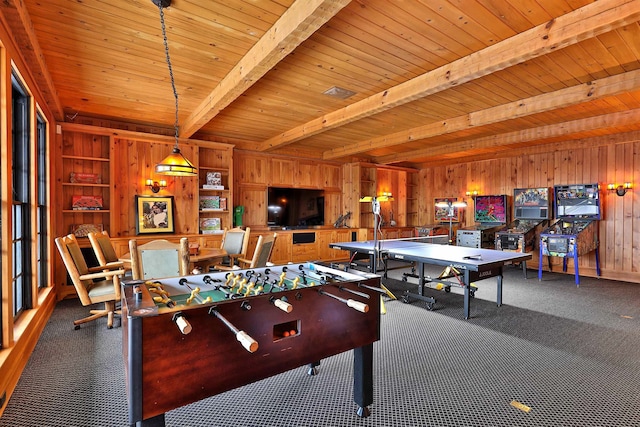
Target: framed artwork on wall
x,y
154,214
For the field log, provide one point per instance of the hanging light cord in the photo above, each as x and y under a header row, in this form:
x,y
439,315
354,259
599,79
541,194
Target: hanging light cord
x,y
173,84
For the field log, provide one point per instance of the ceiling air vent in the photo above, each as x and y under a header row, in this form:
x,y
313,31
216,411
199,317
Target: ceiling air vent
x,y
338,92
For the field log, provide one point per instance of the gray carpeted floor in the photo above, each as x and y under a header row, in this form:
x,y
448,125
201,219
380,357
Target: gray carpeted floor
x,y
569,354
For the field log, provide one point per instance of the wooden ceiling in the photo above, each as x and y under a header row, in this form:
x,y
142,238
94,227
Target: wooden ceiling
x,y
434,81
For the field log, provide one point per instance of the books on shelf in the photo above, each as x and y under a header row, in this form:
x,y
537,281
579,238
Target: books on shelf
x,y
210,203
86,203
210,225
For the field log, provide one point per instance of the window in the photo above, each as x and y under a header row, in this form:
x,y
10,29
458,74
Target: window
x,y
42,229
21,236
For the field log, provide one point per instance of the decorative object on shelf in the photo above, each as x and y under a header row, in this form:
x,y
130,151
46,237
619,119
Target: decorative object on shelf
x,y
86,203
84,178
214,181
175,163
620,189
83,230
223,203
210,203
154,214
342,221
155,186
210,226
451,205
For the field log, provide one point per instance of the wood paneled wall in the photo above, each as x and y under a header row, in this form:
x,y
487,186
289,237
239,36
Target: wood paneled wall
x,y
619,230
254,172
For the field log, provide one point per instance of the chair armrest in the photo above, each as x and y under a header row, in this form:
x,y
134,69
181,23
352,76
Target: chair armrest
x,y
102,274
110,266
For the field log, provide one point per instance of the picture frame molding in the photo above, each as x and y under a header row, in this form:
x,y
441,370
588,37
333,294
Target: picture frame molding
x,y
145,222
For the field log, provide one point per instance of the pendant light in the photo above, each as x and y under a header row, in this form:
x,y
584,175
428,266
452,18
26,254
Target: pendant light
x,y
174,164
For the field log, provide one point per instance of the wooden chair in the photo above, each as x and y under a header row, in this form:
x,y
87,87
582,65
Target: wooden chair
x,y
235,242
262,254
159,258
93,285
104,250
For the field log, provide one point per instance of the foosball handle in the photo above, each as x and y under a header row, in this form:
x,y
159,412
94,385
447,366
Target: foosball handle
x,y
283,305
247,342
182,323
357,305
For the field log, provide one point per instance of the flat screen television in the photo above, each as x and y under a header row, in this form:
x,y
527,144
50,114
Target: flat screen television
x,y
295,207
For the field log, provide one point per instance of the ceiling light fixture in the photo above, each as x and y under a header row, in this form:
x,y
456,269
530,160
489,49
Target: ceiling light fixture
x,y
175,164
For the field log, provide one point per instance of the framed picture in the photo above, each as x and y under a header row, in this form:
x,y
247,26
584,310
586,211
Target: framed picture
x,y
442,213
154,214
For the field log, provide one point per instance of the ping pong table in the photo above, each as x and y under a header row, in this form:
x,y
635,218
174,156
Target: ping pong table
x,y
473,264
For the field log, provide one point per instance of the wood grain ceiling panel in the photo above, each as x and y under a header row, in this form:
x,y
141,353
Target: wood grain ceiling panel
x,y
106,60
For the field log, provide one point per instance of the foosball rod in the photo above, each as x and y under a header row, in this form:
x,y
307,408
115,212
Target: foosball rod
x,y
217,286
195,293
247,342
313,272
356,305
352,291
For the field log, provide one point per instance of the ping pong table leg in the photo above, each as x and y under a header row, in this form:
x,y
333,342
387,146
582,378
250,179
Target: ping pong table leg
x,y
467,291
499,296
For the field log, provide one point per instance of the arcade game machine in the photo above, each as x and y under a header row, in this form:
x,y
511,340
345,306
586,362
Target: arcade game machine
x,y
491,214
575,230
531,216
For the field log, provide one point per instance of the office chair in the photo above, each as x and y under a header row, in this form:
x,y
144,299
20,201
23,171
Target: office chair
x,y
262,253
235,242
159,258
93,285
104,250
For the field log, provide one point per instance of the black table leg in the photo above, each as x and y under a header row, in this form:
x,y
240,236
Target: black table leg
x,y
363,379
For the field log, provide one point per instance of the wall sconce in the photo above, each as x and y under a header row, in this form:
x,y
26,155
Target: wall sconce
x,y
155,186
621,189
472,193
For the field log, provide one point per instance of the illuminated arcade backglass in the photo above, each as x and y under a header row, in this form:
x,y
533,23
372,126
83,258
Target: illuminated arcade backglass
x,y
490,214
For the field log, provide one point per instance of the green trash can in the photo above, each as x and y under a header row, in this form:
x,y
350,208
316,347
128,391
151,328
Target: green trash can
x,y
237,216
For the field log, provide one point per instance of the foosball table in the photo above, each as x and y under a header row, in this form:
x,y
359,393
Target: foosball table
x,y
188,338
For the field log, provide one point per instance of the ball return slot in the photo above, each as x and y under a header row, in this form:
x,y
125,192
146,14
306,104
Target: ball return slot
x,y
286,330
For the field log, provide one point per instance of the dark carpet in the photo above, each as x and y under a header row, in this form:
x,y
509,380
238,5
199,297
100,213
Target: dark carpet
x,y
568,354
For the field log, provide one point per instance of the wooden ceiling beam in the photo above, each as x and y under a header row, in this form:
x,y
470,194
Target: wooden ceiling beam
x,y
587,22
300,21
508,152
590,91
522,137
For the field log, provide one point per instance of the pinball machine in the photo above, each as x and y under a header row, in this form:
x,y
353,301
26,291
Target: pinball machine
x,y
531,213
491,216
574,232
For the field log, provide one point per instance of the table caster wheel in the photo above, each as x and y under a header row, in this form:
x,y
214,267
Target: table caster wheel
x,y
447,288
430,306
405,299
404,278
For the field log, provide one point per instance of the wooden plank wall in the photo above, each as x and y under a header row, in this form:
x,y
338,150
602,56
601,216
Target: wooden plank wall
x,y
619,230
